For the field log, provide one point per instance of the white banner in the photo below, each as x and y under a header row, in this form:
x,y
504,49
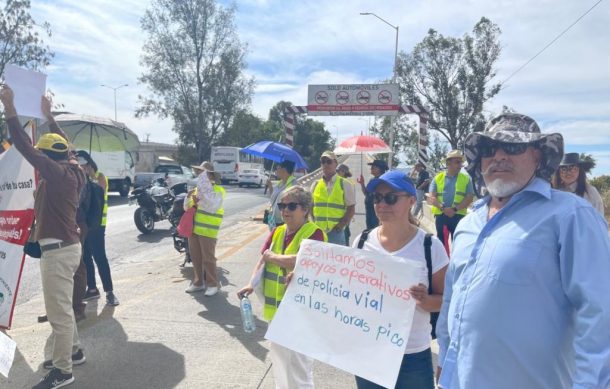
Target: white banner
x,y
17,184
348,308
353,100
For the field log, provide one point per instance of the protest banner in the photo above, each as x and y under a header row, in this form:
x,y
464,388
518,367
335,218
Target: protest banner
x,y
348,308
17,185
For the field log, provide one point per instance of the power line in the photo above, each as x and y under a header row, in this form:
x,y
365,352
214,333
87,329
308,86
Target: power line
x,y
550,43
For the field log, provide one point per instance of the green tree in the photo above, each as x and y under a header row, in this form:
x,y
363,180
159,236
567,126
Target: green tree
x,y
245,129
21,42
195,65
311,138
406,137
452,77
601,183
590,161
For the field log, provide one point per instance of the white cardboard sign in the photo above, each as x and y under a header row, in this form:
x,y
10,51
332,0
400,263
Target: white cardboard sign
x,y
7,353
348,308
29,86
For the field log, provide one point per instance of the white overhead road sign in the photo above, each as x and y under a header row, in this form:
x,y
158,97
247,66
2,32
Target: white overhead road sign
x,y
353,100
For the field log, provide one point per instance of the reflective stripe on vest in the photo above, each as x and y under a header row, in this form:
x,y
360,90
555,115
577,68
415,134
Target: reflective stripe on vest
x,y
208,223
461,185
105,209
328,210
274,276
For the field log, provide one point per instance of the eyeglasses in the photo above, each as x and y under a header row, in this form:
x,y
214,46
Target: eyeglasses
x,y
568,169
326,161
388,198
489,149
290,206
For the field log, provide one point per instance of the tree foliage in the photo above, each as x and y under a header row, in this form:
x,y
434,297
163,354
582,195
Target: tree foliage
x,y
194,64
452,77
311,138
406,137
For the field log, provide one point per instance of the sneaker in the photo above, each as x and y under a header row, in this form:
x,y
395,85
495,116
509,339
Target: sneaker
x,y
194,288
91,294
211,291
54,379
78,358
111,299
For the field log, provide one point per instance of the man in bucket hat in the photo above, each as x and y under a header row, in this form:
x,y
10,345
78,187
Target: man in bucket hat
x,y
450,195
526,293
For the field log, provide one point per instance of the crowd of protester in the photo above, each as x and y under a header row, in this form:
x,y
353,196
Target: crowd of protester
x,y
518,276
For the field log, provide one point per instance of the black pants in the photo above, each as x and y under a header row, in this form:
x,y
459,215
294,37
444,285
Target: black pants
x,y
451,223
95,246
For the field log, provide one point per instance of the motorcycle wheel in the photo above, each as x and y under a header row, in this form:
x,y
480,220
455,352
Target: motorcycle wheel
x,y
144,220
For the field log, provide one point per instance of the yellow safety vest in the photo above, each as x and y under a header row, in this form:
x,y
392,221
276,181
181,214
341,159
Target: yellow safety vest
x,y
105,209
207,223
274,276
328,209
461,185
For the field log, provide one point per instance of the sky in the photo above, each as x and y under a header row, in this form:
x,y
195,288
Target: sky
x,y
295,43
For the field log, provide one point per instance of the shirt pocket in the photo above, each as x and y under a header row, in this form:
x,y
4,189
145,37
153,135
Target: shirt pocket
x,y
514,261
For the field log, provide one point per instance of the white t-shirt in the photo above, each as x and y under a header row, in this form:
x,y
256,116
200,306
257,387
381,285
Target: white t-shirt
x,y
419,338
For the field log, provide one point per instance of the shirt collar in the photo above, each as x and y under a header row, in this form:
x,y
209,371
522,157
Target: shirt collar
x,y
537,186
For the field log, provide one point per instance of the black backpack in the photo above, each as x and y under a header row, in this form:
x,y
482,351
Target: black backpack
x,y
91,204
428,252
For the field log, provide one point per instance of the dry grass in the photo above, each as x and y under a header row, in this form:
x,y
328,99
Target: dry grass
x,y
606,198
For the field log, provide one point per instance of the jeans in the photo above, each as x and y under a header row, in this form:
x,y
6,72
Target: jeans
x,y
415,372
420,199
336,237
95,249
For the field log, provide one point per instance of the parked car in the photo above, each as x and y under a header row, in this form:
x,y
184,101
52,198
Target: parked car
x,y
251,177
172,173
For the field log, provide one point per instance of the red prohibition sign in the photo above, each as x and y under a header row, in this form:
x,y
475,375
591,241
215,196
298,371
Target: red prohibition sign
x,y
363,97
384,97
342,97
321,97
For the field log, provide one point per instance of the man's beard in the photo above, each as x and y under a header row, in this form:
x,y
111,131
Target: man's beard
x,y
501,188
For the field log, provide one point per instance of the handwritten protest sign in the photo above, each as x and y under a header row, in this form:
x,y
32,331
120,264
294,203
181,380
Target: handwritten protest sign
x,y
7,353
17,184
348,308
29,86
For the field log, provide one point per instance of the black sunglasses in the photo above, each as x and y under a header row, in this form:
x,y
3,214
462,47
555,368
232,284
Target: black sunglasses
x,y
388,198
489,149
290,206
326,161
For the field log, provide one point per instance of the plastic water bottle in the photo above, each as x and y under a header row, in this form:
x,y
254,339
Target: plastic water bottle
x,y
247,318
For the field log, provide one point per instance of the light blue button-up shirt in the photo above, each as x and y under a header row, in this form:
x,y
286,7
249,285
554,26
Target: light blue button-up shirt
x,y
527,296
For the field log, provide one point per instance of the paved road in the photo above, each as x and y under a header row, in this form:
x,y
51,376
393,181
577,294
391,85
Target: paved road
x,y
126,245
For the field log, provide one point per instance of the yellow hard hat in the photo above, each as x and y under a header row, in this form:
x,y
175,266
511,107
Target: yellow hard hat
x,y
52,142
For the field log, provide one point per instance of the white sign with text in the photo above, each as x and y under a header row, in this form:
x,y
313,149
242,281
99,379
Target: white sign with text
x,y
348,308
353,100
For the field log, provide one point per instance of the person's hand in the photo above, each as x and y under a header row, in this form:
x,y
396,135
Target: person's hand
x,y
7,96
420,293
338,227
449,212
289,277
245,291
360,179
45,106
268,255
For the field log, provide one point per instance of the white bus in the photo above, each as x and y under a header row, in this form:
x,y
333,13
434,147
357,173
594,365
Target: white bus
x,y
229,161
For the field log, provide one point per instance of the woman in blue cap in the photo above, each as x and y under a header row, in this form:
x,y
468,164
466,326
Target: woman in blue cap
x,y
393,195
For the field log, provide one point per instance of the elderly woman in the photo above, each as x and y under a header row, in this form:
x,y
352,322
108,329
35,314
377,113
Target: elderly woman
x,y
290,369
208,197
393,195
572,177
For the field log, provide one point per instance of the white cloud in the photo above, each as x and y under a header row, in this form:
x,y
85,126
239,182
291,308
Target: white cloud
x,y
291,45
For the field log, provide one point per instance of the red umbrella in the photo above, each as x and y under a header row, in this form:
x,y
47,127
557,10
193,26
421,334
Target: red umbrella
x,y
362,144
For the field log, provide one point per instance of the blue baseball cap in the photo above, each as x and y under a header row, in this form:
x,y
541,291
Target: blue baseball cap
x,y
396,179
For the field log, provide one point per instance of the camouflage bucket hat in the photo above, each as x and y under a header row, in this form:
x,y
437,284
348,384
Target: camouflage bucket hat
x,y
515,128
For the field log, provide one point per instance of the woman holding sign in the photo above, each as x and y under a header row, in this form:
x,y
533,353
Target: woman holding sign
x,y
290,369
393,195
